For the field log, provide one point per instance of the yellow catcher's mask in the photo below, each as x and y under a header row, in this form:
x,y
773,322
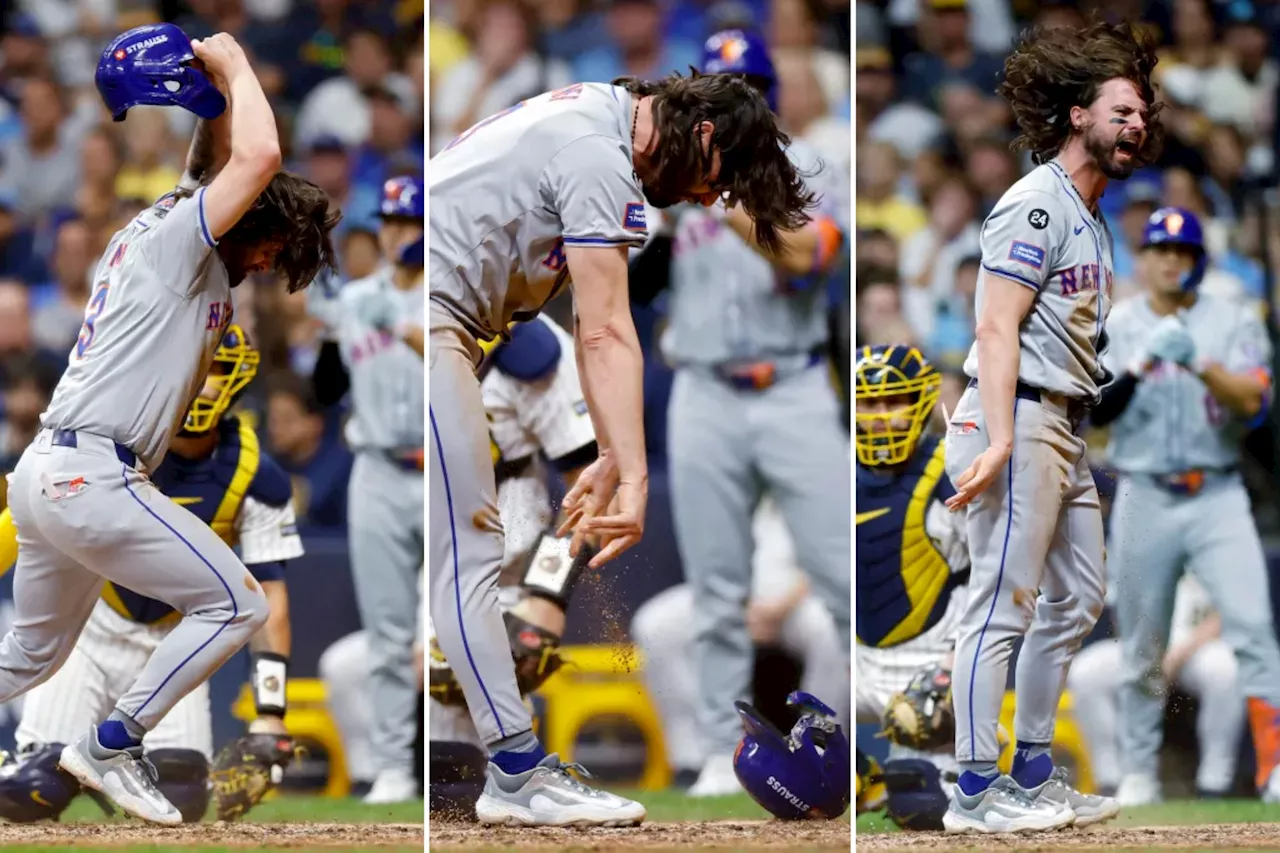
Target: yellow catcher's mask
x,y
235,363
895,388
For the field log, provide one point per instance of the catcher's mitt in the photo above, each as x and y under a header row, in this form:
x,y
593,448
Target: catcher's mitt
x,y
921,717
246,769
536,653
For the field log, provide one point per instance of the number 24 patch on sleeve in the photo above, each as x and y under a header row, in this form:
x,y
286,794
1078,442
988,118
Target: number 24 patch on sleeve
x,y
1027,253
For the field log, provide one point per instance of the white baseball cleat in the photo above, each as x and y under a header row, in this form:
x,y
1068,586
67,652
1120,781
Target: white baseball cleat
x,y
1138,789
717,778
548,796
123,775
1002,807
1087,809
392,786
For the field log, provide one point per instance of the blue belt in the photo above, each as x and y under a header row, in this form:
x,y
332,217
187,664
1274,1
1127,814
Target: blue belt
x,y
760,375
68,438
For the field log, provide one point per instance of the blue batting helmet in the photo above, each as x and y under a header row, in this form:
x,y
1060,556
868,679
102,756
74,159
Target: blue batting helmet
x,y
35,787
742,52
151,65
803,775
405,198
1176,226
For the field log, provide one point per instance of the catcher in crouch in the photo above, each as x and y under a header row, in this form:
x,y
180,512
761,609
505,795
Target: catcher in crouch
x,y
912,567
537,420
216,469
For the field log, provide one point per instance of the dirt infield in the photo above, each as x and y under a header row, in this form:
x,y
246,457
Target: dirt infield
x,y
1226,836
270,835
681,835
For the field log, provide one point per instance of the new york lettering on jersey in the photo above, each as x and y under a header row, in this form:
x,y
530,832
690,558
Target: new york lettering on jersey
x,y
904,581
499,228
214,489
1042,235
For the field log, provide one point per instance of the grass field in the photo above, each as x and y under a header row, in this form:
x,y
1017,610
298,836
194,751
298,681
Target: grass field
x,y
675,822
295,823
1182,825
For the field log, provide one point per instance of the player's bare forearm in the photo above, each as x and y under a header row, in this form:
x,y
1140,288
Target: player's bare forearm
x,y
1242,394
1004,306
593,408
613,370
803,252
253,133
277,634
210,149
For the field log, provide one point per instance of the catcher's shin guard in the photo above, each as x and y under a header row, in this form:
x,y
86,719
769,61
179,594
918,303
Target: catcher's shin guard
x,y
871,794
457,780
184,780
916,797
35,788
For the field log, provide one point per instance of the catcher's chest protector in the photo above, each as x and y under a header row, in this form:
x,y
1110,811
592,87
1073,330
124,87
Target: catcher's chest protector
x,y
901,574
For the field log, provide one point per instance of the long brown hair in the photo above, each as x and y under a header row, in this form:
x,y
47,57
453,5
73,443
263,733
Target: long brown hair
x,y
1055,69
298,214
754,167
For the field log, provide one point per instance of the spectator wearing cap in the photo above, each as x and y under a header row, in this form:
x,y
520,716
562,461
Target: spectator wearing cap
x,y
949,55
879,204
637,47
504,69
42,166
990,23
910,127
392,147
18,257
340,105
329,165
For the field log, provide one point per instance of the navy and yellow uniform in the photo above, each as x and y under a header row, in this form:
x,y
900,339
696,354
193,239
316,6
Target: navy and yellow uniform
x,y
904,580
215,489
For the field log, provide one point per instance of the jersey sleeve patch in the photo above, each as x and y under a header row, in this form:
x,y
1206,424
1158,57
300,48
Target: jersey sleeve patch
x,y
271,485
633,217
1027,254
532,353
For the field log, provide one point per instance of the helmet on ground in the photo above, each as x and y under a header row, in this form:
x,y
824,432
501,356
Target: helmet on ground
x,y
404,198
803,775
1177,226
742,52
235,363
34,787
152,65
896,388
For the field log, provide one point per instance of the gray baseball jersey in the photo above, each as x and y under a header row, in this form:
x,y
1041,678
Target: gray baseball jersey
x,y
727,302
388,407
1042,235
1173,423
510,193
161,302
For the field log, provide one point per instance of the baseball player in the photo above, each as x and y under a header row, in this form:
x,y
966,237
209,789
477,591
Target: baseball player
x,y
912,567
1201,663
553,190
85,510
1193,377
376,323
1086,110
216,470
782,611
752,409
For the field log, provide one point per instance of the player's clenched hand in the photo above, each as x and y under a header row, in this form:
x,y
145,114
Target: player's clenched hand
x,y
975,479
590,494
623,526
223,57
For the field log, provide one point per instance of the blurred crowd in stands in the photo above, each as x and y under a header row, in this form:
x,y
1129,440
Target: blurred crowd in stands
x,y
934,152
346,79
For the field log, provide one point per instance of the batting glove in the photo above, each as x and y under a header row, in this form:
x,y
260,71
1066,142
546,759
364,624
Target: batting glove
x,y
379,310
1172,342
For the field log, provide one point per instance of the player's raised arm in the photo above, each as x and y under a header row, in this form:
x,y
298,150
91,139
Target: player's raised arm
x,y
254,148
209,152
